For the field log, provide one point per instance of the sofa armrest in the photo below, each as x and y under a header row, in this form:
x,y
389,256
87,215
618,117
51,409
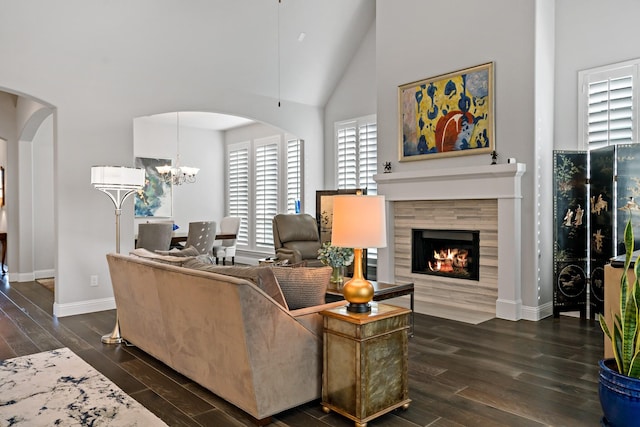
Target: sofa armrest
x,y
316,308
310,317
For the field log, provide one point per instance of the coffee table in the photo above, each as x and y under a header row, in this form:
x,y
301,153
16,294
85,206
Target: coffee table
x,y
381,291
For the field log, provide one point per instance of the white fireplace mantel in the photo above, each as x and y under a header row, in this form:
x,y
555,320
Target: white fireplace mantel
x,y
501,182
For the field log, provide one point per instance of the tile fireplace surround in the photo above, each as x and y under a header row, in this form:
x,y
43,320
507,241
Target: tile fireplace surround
x,y
473,196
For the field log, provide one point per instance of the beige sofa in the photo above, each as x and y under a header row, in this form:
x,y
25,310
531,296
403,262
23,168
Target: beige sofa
x,y
223,332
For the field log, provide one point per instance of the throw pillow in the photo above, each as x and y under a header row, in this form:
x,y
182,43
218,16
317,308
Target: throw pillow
x,y
262,277
165,259
303,286
190,251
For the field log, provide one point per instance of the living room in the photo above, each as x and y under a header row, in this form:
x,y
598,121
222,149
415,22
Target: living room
x,y
536,69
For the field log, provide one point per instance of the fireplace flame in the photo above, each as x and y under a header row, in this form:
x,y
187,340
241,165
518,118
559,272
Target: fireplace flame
x,y
445,261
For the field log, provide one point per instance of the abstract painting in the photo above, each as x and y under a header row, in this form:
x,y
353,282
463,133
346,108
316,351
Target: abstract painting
x,y
447,115
155,198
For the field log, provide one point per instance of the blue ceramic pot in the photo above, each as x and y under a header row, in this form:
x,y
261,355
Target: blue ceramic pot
x,y
619,396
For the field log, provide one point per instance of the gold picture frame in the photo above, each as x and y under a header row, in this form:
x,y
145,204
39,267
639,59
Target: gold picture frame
x,y
448,115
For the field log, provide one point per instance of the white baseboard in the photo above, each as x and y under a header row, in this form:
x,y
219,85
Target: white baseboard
x,y
537,313
22,277
42,274
82,307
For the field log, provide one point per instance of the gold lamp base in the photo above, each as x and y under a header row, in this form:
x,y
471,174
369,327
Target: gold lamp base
x,y
358,291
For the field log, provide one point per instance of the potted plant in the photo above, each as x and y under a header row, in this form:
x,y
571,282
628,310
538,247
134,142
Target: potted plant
x,y
619,386
336,257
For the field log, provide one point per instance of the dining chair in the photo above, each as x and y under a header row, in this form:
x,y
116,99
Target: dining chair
x,y
154,236
201,235
227,247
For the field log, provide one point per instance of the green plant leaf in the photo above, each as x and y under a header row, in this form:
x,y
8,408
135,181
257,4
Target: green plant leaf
x,y
624,280
617,346
603,325
634,369
629,331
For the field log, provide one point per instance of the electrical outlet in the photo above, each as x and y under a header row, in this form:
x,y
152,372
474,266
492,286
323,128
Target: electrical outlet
x,y
94,280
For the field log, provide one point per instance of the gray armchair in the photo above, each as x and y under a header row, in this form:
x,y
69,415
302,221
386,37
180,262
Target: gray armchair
x,y
296,239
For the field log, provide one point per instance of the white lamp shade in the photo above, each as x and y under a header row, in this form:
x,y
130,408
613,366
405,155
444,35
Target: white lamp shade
x,y
359,222
117,177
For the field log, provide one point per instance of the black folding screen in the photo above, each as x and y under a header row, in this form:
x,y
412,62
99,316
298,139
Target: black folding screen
x,y
593,187
570,232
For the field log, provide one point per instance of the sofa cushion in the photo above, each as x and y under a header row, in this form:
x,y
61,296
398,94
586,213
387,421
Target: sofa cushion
x,y
165,259
261,276
304,286
189,251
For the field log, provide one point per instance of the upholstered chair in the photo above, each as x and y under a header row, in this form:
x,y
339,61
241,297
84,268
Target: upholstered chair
x,y
201,235
154,236
226,248
296,239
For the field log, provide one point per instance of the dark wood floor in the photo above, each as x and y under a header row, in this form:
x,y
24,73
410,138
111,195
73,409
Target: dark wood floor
x,y
498,373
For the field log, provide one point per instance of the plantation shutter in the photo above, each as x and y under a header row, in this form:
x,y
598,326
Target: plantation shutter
x,y
608,105
347,163
368,157
266,185
238,194
357,146
610,112
294,175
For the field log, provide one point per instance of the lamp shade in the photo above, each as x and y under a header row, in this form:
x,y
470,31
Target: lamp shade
x,y
117,177
359,222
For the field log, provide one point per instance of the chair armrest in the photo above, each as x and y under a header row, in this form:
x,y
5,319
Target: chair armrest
x,y
292,255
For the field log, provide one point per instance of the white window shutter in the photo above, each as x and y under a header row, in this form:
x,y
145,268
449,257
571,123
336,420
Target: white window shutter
x,y
266,186
294,175
238,193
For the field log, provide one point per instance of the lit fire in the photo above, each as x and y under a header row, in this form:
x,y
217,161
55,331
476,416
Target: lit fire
x,y
447,261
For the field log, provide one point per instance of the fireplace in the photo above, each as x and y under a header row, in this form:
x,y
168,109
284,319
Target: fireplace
x,y
486,198
449,253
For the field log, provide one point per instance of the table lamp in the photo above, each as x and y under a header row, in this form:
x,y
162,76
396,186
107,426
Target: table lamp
x,y
117,182
358,222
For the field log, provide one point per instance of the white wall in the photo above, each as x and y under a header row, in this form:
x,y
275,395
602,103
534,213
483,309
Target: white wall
x,y
204,149
43,224
417,39
354,96
98,83
589,33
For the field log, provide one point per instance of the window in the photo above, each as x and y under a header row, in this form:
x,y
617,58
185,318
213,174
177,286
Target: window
x,y
261,183
357,159
357,153
266,185
608,105
238,193
294,175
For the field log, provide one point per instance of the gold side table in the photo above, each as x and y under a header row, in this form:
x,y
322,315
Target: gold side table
x,y
365,362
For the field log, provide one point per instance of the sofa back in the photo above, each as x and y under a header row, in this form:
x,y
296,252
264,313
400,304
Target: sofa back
x,y
222,332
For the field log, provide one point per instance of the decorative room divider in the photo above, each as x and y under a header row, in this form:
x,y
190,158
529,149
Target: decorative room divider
x,y
596,185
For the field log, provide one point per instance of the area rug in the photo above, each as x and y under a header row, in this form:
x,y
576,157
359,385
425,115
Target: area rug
x,y
48,283
59,388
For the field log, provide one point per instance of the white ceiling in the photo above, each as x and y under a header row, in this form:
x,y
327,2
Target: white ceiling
x,y
257,44
200,120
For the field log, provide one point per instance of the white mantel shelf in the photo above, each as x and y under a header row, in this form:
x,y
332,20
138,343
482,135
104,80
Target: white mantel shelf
x,y
474,182
501,182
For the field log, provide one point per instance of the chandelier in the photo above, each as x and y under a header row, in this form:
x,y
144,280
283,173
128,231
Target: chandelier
x,y
177,175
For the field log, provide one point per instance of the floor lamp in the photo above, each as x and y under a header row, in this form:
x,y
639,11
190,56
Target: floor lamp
x,y
117,182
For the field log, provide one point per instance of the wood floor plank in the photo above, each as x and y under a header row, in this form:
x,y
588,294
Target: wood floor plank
x,y
497,373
